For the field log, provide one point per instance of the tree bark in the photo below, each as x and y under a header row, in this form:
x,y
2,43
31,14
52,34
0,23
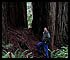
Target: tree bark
x,y
61,24
4,22
58,34
17,15
65,22
52,15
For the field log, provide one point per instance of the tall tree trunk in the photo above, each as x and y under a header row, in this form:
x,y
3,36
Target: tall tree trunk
x,y
4,22
52,15
58,34
24,9
11,14
61,24
17,15
65,22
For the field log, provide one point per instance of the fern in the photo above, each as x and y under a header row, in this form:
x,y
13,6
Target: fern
x,y
62,53
4,52
15,53
19,54
8,56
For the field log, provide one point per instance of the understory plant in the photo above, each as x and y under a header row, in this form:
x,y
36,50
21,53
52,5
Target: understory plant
x,y
16,54
61,53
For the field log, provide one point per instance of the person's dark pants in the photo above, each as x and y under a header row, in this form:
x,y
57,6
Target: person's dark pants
x,y
41,46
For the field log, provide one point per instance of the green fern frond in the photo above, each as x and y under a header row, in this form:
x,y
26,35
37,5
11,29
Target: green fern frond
x,y
7,55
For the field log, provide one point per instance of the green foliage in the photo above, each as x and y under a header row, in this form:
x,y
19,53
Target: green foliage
x,y
19,54
7,55
62,53
16,54
4,52
7,46
29,14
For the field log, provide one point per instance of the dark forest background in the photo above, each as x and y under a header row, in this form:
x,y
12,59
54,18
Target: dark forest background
x,y
53,15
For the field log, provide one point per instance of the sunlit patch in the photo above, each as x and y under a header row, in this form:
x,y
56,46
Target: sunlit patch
x,y
29,14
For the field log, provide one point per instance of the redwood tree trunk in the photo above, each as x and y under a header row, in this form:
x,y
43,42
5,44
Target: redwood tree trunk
x,y
61,24
17,15
52,16
4,22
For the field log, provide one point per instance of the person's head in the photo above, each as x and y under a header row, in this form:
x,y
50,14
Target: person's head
x,y
45,29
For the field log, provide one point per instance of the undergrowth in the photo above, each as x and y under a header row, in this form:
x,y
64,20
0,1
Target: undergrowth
x,y
16,54
61,53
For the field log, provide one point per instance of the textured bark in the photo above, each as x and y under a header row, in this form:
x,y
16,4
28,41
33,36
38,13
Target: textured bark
x,y
4,22
11,14
24,9
65,22
61,24
52,15
58,34
17,14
